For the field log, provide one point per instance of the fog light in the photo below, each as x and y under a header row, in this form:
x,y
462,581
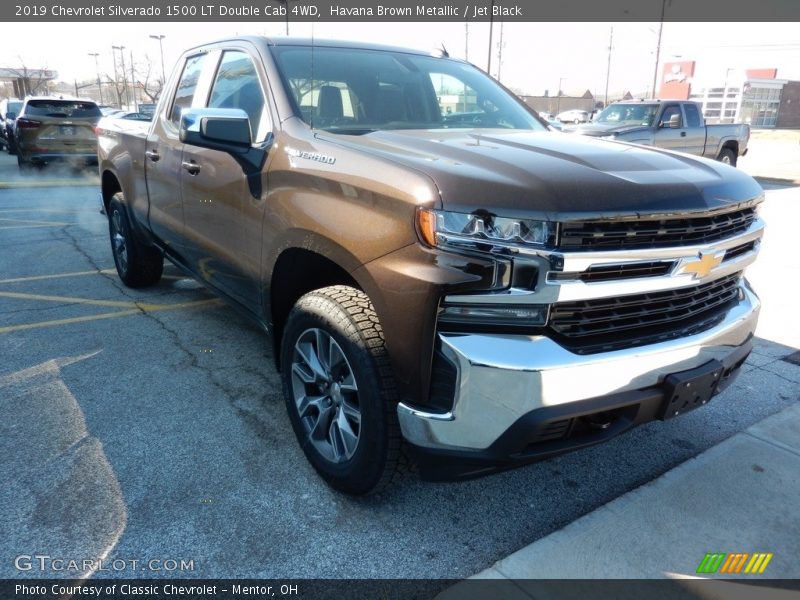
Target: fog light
x,y
494,314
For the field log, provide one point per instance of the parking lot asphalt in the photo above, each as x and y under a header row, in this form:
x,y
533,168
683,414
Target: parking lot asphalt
x,y
149,425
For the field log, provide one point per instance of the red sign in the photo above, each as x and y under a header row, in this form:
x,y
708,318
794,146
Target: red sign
x,y
676,80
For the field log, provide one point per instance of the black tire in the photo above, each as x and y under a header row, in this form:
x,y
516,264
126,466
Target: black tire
x,y
727,156
137,265
346,316
24,166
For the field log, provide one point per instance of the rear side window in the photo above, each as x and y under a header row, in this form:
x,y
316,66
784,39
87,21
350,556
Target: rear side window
x,y
237,86
692,115
64,109
187,86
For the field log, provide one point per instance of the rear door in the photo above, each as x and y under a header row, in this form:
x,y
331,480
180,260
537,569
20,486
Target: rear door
x,y
163,153
223,212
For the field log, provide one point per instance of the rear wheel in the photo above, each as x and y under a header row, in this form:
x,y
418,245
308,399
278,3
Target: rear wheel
x,y
24,165
727,157
138,265
339,389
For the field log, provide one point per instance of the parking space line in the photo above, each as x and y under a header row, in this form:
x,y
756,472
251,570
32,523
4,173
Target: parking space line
x,y
112,315
73,300
55,276
50,224
29,221
44,184
74,274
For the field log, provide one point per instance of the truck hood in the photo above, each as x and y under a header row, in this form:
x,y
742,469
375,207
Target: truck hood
x,y
556,176
601,129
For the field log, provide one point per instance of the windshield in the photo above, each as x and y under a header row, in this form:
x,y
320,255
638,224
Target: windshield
x,y
628,114
357,91
62,109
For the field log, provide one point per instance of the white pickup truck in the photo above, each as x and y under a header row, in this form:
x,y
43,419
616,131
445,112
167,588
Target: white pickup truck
x,y
670,124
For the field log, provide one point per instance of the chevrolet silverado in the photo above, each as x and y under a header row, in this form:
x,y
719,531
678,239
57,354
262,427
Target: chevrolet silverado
x,y
472,295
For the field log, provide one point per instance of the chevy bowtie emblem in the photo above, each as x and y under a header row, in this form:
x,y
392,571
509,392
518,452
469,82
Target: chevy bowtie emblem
x,y
703,265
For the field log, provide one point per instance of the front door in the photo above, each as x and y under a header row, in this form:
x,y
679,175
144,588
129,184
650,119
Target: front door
x,y
223,211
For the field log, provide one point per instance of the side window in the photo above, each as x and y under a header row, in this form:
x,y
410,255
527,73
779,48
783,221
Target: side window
x,y
237,86
692,115
672,109
187,86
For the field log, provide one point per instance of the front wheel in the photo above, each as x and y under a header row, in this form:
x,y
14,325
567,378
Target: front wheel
x,y
339,389
137,265
727,157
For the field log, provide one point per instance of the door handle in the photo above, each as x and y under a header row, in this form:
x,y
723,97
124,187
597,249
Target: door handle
x,y
683,134
152,155
192,167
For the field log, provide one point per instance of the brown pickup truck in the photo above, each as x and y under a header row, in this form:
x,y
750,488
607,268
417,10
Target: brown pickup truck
x,y
442,276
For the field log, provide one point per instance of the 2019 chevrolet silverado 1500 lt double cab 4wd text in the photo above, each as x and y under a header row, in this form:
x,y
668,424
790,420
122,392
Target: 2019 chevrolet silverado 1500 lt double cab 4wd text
x,y
481,295
676,125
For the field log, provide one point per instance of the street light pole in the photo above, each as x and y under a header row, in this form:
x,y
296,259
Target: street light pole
x,y
608,67
97,70
558,95
133,85
116,75
161,48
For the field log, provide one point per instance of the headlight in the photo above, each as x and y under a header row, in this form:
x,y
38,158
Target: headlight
x,y
481,230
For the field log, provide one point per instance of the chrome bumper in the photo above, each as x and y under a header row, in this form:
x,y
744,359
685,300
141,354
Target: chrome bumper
x,y
500,378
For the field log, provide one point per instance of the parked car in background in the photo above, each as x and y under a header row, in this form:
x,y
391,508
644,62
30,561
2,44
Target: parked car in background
x,y
9,108
56,129
108,111
573,116
132,116
671,124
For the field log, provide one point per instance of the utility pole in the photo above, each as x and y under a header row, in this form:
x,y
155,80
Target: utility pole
x,y
491,29
500,51
97,70
608,67
466,42
658,48
558,95
133,85
160,39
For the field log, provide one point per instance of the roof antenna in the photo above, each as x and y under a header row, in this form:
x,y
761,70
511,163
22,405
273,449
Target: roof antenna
x,y
312,78
443,51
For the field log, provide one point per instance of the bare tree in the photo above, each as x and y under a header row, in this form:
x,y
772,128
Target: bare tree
x,y
31,82
117,81
149,84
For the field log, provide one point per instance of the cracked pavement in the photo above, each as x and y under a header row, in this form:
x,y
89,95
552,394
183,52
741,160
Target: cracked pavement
x,y
184,449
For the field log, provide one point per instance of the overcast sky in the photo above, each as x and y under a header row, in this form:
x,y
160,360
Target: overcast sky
x,y
534,55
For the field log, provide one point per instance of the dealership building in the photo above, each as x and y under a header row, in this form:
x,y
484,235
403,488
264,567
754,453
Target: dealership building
x,y
753,96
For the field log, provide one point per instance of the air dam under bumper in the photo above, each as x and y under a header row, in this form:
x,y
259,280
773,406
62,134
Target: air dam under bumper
x,y
524,398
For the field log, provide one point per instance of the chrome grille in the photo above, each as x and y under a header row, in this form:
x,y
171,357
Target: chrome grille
x,y
604,324
653,233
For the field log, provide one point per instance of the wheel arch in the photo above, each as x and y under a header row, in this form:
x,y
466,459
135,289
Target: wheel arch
x,y
298,271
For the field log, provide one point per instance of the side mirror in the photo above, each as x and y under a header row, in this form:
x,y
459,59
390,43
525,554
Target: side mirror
x,y
226,129
675,122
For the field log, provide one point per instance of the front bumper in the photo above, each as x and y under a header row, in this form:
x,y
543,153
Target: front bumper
x,y
516,395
